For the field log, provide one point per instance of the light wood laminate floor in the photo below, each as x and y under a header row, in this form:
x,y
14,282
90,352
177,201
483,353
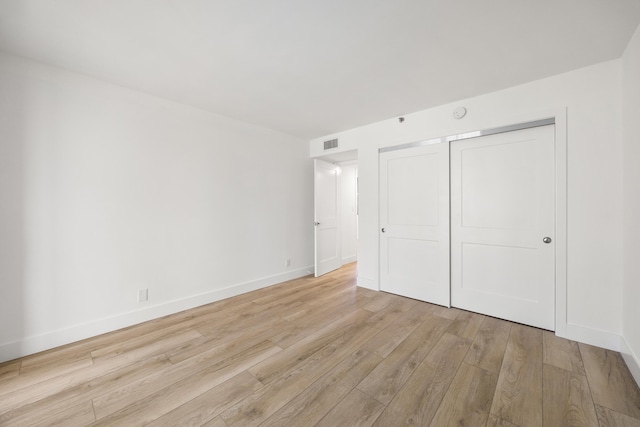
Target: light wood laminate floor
x,y
320,351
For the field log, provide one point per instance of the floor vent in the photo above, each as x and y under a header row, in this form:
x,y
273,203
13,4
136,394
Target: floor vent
x,y
332,143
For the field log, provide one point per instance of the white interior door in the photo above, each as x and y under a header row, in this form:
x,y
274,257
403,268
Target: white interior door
x,y
414,222
326,217
502,216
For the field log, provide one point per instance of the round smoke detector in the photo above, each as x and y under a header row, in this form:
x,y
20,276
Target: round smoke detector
x,y
459,112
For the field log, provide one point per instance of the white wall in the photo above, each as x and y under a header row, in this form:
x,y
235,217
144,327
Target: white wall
x,y
593,99
348,216
104,191
631,231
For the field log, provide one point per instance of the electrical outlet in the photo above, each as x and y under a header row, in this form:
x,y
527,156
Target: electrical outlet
x,y
143,295
288,262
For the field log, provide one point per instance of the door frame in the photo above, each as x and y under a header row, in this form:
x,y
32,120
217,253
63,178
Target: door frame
x,y
338,158
557,116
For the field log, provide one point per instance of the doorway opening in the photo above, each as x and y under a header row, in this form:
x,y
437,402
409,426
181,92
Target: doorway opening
x,y
335,211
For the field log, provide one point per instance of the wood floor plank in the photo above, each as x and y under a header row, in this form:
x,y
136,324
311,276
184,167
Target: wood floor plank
x,y
135,351
209,405
468,399
240,319
65,362
611,418
328,299
567,399
293,333
317,319
487,350
294,293
447,313
24,388
9,370
494,421
279,289
561,353
380,302
44,372
300,294
104,382
168,395
518,397
335,299
216,422
398,330
612,385
274,367
416,403
30,388
393,311
291,381
80,415
221,366
466,324
336,294
318,399
357,409
367,293
390,375
230,342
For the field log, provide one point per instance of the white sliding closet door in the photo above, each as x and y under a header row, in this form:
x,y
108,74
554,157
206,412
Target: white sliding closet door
x,y
503,225
414,222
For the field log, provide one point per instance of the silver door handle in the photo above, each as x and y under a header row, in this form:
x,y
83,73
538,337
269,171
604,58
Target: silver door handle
x,y
382,229
547,240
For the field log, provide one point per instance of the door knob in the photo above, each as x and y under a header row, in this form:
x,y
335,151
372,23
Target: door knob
x,y
547,240
382,229
316,223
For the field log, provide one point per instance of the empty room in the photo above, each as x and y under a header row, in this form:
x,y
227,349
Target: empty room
x,y
320,213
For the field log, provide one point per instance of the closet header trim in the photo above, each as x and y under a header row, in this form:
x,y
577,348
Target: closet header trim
x,y
474,134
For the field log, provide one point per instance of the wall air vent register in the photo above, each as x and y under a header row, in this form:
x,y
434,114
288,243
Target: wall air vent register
x,y
332,143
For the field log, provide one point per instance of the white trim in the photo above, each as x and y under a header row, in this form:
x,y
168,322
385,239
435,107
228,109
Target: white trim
x,y
412,145
37,343
473,134
561,221
347,162
349,260
592,336
632,359
502,129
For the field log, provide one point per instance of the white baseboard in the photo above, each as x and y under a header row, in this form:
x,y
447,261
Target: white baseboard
x,y
368,283
349,260
591,336
632,360
606,340
46,341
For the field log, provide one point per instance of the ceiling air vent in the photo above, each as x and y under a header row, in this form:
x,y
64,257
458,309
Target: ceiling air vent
x,y
332,143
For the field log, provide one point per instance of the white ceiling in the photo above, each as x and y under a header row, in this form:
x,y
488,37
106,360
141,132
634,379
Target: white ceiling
x,y
314,67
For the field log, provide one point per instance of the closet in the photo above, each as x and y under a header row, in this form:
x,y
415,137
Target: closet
x,y
468,221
